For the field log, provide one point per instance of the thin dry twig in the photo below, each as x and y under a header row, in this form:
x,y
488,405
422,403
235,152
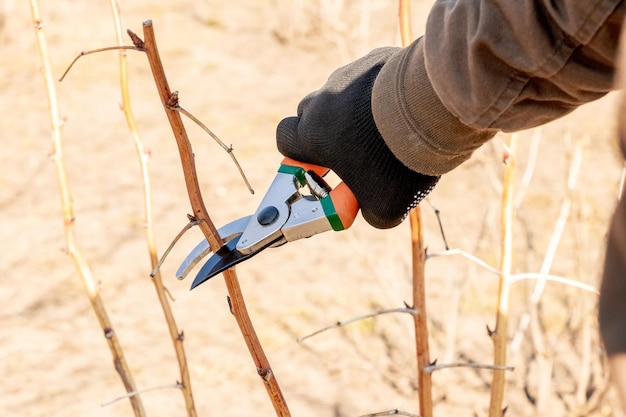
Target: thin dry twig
x,y
440,223
229,149
192,222
554,278
237,302
436,367
72,248
394,412
93,51
134,393
358,318
460,252
176,335
513,278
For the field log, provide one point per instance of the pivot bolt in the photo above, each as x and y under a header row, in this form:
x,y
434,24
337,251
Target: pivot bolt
x,y
267,216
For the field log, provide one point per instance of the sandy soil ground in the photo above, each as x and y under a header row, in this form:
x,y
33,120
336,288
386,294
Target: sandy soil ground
x,y
240,69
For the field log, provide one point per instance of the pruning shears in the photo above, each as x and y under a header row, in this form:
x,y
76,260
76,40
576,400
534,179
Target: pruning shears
x,y
285,214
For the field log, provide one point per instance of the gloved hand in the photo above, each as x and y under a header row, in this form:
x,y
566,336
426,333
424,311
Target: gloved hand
x,y
335,128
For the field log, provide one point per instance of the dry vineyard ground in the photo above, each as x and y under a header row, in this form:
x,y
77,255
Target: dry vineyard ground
x,y
241,69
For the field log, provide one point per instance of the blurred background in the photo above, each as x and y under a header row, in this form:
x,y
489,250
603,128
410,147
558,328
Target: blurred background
x,y
240,67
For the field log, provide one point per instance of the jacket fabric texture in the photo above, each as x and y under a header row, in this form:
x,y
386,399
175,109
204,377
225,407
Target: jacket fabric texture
x,y
485,66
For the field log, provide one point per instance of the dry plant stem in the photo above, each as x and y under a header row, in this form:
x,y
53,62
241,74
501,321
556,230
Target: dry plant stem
x,y
83,53
182,140
554,278
73,251
499,334
432,368
206,225
404,16
130,394
394,412
357,318
420,320
465,254
440,223
192,222
514,278
228,149
419,263
143,157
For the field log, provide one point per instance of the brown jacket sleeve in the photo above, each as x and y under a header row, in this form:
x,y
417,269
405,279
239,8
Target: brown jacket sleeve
x,y
485,66
492,65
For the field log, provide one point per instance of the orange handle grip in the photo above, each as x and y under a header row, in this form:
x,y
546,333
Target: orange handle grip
x,y
345,204
341,207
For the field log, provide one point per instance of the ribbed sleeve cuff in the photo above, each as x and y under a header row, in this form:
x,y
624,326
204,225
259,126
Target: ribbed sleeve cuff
x,y
414,123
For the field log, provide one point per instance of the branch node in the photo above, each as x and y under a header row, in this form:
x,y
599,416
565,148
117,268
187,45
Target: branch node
x,y
137,41
181,336
172,101
230,305
169,294
108,332
264,373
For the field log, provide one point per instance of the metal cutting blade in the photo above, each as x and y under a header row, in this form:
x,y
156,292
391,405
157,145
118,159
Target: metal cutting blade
x,y
226,257
227,232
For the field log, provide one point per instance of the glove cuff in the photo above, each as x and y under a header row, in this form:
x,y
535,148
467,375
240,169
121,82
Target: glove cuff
x,y
414,123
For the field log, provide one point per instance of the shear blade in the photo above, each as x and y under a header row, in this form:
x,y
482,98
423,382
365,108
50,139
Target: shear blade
x,y
226,257
202,249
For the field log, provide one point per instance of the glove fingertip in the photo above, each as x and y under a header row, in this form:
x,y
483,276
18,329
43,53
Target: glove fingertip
x,y
287,129
381,222
287,137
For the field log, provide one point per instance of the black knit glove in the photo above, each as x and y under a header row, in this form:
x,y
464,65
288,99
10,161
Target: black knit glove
x,y
335,129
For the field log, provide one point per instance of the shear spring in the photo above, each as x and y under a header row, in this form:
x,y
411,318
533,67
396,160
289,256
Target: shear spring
x,y
319,188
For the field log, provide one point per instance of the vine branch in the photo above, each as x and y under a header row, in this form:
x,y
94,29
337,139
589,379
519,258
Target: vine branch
x,y
200,213
72,247
157,279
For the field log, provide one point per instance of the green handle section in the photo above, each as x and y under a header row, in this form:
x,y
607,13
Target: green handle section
x,y
340,205
331,214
